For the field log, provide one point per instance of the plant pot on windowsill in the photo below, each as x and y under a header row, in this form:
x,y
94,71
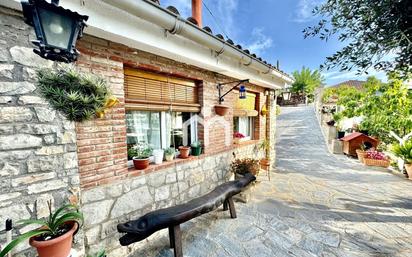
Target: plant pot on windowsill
x,y
184,152
57,247
221,110
196,150
408,168
158,156
141,163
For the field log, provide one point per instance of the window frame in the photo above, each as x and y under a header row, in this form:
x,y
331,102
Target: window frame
x,y
251,121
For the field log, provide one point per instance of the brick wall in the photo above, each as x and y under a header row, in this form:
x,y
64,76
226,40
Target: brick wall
x,y
102,143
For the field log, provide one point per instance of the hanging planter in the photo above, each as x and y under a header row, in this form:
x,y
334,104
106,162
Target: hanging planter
x,y
221,110
78,96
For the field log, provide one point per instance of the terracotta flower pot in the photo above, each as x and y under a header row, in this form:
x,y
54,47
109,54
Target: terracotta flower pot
x,y
141,164
184,152
408,168
221,110
264,164
57,247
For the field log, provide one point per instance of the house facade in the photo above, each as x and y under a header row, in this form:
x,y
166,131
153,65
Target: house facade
x,y
164,70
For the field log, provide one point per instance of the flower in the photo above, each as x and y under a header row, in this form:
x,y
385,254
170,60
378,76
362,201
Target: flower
x,y
238,135
375,155
141,151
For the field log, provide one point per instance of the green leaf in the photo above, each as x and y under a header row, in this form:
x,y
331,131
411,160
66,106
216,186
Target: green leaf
x,y
20,239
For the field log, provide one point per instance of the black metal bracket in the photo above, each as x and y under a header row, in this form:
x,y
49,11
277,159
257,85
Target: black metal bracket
x,y
220,87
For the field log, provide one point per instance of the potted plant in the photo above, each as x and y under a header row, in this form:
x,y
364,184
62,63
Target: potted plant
x,y
237,137
375,158
141,153
404,151
170,154
158,156
265,147
54,236
242,166
361,152
221,110
184,152
196,148
79,96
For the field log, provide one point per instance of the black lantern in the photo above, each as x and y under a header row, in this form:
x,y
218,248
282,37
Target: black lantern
x,y
57,29
242,92
242,89
286,95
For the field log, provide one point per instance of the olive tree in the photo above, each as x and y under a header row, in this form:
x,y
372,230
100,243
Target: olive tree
x,y
372,30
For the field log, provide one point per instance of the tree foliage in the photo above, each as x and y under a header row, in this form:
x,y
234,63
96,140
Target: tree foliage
x,y
384,107
306,81
372,30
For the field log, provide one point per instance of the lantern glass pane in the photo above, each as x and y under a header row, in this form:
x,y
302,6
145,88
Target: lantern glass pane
x,y
57,28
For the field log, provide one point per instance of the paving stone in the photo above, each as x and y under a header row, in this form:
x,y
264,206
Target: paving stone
x,y
316,204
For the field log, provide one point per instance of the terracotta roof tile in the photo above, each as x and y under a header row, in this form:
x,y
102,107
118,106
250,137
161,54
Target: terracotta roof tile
x,y
355,135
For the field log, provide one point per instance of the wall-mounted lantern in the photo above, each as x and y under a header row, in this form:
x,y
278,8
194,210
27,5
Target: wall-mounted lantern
x,y
286,95
221,109
57,29
242,89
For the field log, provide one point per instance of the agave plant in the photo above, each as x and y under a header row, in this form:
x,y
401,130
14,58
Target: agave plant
x,y
52,227
403,151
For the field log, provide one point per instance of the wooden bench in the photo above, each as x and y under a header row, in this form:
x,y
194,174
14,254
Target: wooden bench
x,y
172,217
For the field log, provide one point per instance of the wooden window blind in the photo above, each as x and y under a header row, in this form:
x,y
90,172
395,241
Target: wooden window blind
x,y
151,91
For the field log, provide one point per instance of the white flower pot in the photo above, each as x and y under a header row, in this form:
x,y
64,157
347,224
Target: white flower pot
x,y
158,156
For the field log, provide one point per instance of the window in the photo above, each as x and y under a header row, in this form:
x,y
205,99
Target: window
x,y
244,125
161,129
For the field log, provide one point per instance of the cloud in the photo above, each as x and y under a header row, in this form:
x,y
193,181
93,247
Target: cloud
x,y
261,42
304,9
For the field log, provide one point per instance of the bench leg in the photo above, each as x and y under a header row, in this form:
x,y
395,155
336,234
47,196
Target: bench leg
x,y
175,237
232,208
171,237
225,208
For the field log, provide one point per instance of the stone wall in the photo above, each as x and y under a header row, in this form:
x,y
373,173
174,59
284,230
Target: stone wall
x,y
38,159
107,206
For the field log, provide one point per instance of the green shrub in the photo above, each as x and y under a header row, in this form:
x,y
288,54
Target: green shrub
x,y
78,96
403,151
243,166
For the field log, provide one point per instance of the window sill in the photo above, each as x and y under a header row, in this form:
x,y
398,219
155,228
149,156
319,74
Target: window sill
x,y
163,165
246,143
132,172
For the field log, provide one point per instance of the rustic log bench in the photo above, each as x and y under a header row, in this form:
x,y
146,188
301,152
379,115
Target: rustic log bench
x,y
172,217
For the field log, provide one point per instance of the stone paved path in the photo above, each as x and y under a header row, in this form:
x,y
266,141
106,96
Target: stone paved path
x,y
317,204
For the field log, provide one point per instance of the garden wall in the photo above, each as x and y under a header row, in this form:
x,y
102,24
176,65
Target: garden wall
x,y
38,159
107,206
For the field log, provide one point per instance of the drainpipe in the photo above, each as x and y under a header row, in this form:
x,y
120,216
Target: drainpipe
x,y
197,11
155,14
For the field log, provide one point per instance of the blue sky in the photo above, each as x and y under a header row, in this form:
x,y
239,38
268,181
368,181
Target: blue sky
x,y
273,30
